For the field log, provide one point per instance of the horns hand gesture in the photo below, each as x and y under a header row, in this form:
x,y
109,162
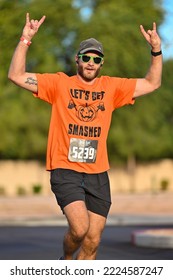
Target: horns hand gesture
x,y
152,37
31,27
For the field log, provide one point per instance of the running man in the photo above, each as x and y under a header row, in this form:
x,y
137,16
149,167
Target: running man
x,y
82,106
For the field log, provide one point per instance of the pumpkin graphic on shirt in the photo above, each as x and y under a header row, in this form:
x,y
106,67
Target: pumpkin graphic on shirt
x,y
86,113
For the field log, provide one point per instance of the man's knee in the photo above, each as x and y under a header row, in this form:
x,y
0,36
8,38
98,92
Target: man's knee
x,y
92,242
80,232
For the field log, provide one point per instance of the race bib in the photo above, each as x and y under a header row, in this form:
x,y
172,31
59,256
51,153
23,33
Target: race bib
x,y
81,150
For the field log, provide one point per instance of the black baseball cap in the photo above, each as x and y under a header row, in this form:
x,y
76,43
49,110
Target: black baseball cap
x,y
91,44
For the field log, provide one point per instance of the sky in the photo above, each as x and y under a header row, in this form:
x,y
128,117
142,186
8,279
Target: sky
x,y
166,30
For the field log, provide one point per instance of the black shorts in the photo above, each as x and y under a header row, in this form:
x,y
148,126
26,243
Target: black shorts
x,y
69,186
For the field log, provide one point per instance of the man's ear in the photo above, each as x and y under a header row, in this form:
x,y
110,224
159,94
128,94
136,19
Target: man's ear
x,y
76,58
102,63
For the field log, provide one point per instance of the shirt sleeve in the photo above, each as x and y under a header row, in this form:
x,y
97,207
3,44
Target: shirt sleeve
x,y
48,87
124,92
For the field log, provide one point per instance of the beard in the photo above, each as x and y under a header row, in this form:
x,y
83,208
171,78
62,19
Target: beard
x,y
88,75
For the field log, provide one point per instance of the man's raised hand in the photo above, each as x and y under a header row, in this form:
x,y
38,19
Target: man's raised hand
x,y
152,37
31,27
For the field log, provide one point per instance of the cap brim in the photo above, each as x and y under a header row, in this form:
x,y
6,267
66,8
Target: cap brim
x,y
91,49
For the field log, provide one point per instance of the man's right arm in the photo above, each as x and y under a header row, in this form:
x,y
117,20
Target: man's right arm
x,y
17,71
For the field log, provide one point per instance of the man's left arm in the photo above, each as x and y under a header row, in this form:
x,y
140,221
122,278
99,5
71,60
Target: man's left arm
x,y
152,80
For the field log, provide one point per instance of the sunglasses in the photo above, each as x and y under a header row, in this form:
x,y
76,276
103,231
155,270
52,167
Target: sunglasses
x,y
86,58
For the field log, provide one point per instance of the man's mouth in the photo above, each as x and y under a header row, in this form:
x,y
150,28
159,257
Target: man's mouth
x,y
89,69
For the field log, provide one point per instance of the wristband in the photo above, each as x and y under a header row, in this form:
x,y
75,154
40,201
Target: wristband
x,y
156,53
26,42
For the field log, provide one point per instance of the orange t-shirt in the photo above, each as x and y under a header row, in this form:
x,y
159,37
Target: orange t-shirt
x,y
80,119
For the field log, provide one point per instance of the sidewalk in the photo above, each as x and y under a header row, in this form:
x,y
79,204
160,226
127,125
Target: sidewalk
x,y
125,209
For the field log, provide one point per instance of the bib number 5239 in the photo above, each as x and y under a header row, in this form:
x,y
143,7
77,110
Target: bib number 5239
x,y
83,153
81,150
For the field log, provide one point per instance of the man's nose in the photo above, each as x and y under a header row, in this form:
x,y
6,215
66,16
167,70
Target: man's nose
x,y
91,62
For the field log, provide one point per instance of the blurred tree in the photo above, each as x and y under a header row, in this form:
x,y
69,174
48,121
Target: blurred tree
x,y
24,121
116,25
137,131
144,131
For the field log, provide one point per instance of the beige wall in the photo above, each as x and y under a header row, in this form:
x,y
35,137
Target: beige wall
x,y
26,174
144,178
23,174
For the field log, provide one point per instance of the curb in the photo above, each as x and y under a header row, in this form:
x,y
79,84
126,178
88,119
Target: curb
x,y
155,238
113,220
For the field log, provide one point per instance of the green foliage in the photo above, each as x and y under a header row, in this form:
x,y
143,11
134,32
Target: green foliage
x,y
164,184
21,191
143,131
116,24
24,121
37,189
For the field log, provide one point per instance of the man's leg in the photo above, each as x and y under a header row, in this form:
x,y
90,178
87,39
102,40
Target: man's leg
x,y
91,241
78,219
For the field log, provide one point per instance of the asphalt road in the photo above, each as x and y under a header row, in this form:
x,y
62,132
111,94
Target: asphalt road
x,y
45,243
